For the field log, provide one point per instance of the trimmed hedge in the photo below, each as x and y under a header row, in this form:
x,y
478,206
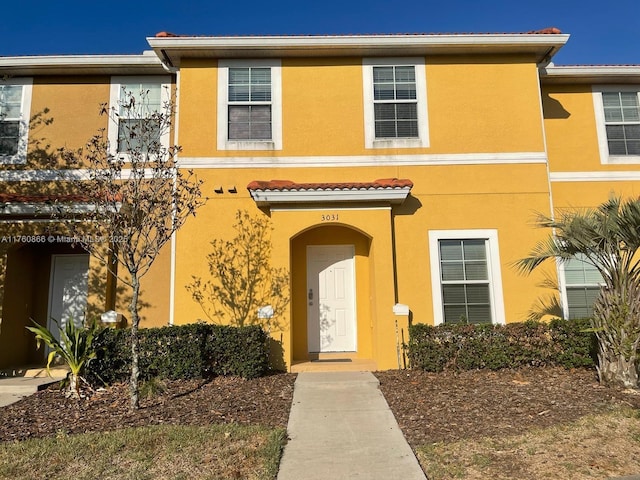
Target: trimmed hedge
x,y
467,347
181,352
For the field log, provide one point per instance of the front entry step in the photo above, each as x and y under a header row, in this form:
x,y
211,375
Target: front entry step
x,y
334,362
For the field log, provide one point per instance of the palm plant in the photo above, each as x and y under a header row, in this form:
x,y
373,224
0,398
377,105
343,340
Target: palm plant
x,y
608,238
75,348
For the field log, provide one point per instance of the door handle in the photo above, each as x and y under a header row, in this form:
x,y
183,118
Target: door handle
x,y
310,296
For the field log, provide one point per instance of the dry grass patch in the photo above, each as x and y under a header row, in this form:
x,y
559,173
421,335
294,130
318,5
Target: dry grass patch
x,y
156,452
596,446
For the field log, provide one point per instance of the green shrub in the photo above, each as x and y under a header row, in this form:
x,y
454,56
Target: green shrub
x,y
469,347
182,352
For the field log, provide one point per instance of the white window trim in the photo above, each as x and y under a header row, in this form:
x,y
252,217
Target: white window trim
x,y
493,265
601,129
276,106
114,98
370,140
20,158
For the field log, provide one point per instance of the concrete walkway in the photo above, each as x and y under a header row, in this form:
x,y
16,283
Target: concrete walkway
x,y
13,389
341,427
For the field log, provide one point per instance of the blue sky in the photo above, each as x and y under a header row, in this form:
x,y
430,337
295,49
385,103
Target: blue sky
x,y
601,32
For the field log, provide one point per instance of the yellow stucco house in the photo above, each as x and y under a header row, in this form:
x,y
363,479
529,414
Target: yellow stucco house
x,y
401,175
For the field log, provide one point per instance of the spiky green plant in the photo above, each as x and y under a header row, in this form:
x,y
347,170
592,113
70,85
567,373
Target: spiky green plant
x,y
608,238
74,348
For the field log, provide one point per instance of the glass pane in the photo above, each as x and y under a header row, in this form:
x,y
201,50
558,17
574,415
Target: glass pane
x,y
450,249
260,93
407,129
407,111
617,147
629,99
239,131
405,74
476,271
382,74
238,93
479,314
611,99
385,111
261,113
453,294
478,293
455,314
474,249
632,132
452,271
238,76
612,114
260,76
138,134
633,147
261,131
630,114
238,113
615,132
386,129
406,91
383,91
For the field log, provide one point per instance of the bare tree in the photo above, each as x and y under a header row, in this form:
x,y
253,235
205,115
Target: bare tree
x,y
242,277
138,197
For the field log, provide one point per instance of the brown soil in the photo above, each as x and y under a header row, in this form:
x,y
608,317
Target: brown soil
x,y
449,406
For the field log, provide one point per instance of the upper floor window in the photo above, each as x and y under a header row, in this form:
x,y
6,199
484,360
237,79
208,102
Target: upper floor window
x,y
249,105
466,278
141,105
618,123
395,103
15,106
583,283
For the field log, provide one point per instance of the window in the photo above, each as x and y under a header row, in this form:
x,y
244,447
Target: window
x,y
395,103
15,106
249,105
582,282
618,115
466,278
136,100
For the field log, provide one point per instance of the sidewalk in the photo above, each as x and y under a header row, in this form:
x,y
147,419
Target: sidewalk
x,y
341,427
13,389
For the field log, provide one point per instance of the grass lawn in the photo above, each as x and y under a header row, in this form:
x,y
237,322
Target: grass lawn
x,y
594,447
154,452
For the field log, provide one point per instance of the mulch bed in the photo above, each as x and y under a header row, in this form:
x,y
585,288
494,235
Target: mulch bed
x,y
265,401
429,407
449,406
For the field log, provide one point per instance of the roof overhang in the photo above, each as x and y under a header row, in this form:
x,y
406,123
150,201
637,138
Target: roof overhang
x,y
172,49
147,63
279,192
590,74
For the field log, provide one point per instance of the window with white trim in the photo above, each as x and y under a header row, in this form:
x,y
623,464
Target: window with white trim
x,y
395,103
138,103
249,105
15,106
583,282
618,124
466,277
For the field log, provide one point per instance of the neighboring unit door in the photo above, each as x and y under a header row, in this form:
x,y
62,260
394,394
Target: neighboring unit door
x,y
68,290
331,320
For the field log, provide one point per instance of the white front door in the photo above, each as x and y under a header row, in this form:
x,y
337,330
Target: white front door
x,y
331,320
68,290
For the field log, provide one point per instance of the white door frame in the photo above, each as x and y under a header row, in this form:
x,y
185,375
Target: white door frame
x,y
344,324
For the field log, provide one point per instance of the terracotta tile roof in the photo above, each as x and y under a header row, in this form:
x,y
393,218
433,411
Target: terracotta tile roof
x,y
543,31
288,185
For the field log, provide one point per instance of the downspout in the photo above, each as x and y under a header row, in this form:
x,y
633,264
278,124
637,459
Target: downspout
x,y
172,274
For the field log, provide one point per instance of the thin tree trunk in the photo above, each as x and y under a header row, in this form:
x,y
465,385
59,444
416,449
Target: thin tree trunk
x,y
135,345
